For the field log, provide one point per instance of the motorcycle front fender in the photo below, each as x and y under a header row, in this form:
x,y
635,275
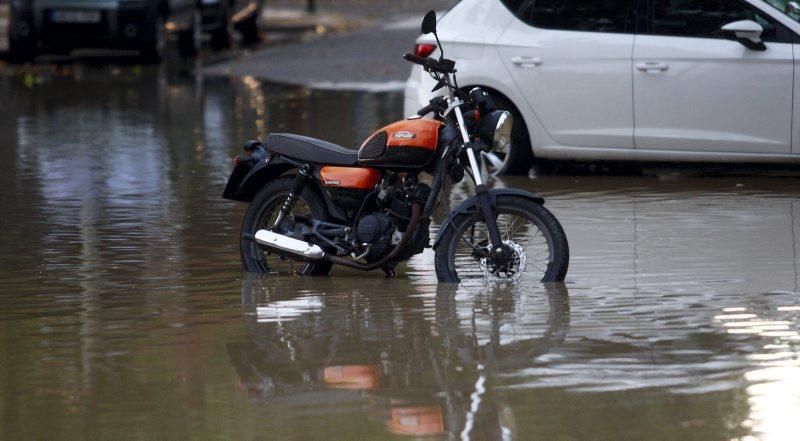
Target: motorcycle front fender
x,y
472,206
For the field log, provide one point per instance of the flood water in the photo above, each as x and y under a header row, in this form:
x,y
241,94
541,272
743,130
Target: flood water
x,y
124,313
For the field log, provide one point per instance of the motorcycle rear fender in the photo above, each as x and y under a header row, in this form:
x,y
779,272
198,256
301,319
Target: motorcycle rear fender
x,y
249,177
472,206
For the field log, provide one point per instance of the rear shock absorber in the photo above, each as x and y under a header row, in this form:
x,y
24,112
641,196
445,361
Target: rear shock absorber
x,y
298,184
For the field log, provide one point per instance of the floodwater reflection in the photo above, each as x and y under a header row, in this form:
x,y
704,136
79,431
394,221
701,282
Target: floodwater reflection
x,y
123,312
413,360
503,363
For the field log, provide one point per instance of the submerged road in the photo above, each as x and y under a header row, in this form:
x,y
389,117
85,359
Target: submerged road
x,y
124,312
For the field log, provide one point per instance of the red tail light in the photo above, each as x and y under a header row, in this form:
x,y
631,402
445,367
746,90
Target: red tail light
x,y
424,49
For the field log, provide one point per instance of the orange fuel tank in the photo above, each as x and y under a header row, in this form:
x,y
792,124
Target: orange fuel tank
x,y
405,144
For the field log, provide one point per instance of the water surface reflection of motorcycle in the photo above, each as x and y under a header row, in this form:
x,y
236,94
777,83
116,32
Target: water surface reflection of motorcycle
x,y
420,364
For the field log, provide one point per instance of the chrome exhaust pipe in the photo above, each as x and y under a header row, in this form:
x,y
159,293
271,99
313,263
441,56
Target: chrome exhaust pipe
x,y
289,246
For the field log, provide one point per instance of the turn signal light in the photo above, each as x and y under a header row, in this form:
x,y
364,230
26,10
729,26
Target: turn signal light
x,y
424,49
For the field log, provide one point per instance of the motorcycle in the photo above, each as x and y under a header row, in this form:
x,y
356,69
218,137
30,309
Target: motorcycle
x,y
319,204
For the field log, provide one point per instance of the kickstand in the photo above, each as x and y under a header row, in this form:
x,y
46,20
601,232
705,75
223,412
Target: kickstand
x,y
389,271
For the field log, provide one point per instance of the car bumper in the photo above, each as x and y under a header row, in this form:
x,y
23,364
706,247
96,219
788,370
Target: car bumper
x,y
120,27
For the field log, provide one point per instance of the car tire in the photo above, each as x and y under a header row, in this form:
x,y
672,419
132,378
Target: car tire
x,y
19,52
189,40
221,36
250,27
519,159
155,44
20,49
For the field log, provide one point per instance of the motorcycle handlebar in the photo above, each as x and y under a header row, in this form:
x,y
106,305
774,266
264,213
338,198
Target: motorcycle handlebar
x,y
443,66
437,103
415,59
426,110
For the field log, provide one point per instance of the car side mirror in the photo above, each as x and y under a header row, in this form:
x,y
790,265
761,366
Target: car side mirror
x,y
429,23
792,8
746,32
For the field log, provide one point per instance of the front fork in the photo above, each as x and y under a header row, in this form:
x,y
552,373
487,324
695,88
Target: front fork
x,y
484,199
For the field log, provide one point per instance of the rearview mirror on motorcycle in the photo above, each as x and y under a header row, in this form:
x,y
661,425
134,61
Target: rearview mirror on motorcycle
x,y
429,27
429,23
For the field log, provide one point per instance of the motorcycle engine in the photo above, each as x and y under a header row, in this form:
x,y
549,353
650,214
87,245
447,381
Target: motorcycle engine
x,y
378,233
375,231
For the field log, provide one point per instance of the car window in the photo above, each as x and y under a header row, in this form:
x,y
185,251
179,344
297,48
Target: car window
x,y
575,15
705,19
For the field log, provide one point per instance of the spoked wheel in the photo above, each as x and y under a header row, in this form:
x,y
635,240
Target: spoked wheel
x,y
262,213
535,246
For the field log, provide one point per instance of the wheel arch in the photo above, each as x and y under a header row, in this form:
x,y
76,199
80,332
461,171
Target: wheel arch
x,y
521,155
528,118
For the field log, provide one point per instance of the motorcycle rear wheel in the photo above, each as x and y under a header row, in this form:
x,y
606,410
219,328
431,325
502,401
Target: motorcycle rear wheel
x,y
535,241
261,214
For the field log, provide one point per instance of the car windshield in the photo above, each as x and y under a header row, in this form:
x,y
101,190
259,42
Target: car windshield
x,y
788,7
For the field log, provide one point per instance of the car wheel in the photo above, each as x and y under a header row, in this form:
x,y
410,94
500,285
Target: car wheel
x,y
518,157
19,52
250,28
155,45
20,49
190,39
221,36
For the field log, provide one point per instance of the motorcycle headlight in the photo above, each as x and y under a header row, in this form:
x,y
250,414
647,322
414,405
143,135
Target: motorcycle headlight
x,y
495,130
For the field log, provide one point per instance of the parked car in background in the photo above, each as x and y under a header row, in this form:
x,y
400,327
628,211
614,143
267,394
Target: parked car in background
x,y
655,80
38,26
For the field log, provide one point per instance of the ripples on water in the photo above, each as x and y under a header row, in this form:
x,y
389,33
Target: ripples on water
x,y
124,314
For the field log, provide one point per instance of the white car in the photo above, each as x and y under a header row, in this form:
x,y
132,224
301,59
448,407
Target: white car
x,y
651,80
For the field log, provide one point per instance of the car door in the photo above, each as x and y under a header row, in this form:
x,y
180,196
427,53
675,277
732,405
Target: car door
x,y
695,90
571,60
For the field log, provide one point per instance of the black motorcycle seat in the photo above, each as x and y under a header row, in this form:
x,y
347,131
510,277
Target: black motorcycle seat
x,y
310,149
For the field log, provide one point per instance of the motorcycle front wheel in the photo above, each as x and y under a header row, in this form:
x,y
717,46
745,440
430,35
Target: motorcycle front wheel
x,y
262,213
535,245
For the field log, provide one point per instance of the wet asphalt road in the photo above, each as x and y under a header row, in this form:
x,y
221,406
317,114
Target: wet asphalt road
x,y
124,313
367,59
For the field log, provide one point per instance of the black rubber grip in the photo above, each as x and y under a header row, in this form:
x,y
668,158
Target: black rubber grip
x,y
425,110
415,59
